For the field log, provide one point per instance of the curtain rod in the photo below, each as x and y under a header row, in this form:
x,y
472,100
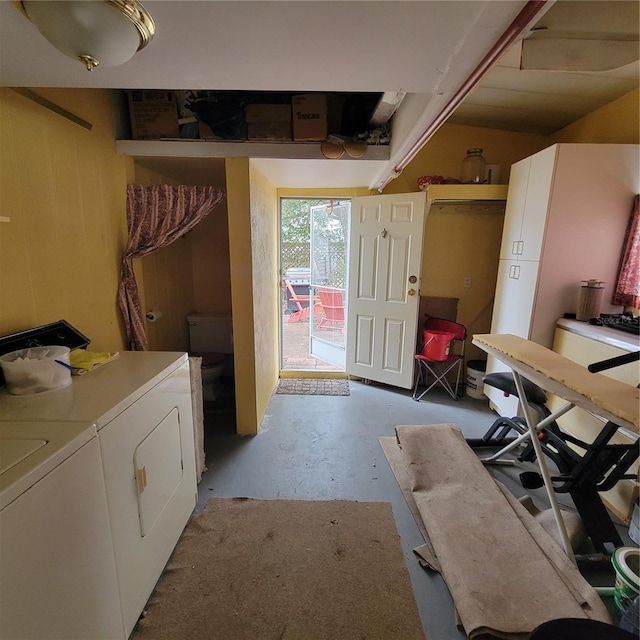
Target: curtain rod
x,y
530,11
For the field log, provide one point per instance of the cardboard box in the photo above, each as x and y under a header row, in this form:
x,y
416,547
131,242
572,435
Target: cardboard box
x,y
153,115
259,113
309,112
264,131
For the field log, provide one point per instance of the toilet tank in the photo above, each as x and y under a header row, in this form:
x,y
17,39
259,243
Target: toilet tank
x,y
210,333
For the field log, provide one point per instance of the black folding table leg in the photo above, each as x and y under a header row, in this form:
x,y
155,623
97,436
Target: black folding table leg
x,y
595,518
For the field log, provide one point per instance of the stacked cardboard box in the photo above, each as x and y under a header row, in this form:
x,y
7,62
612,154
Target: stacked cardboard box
x,y
268,122
310,117
153,115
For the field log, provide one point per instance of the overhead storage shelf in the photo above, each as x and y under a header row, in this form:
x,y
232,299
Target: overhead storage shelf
x,y
216,149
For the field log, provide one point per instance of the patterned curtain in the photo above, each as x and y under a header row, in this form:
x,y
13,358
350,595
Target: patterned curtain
x,y
156,217
627,291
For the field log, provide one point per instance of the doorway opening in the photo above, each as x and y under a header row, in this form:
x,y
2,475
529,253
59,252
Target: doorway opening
x,y
314,240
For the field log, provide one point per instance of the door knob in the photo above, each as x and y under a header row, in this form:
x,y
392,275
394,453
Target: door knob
x,y
411,292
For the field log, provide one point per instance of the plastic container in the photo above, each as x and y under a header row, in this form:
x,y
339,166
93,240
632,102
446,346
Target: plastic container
x,y
634,526
436,345
475,372
36,370
473,167
630,620
626,562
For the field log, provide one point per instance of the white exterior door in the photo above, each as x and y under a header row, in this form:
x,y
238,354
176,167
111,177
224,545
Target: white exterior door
x,y
385,262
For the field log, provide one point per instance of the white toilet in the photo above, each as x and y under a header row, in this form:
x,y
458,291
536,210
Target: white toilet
x,y
211,338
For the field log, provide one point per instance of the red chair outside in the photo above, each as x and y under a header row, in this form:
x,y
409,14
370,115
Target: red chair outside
x,y
441,355
332,308
301,302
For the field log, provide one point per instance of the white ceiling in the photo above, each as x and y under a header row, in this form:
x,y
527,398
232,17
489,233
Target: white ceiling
x,y
426,49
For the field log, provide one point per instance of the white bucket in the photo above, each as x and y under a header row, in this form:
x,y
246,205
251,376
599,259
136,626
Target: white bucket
x,y
475,372
35,370
626,562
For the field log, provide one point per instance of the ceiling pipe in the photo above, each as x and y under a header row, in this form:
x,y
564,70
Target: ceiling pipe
x,y
515,29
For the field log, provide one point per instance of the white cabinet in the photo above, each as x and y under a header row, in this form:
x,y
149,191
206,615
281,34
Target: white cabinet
x,y
526,210
565,220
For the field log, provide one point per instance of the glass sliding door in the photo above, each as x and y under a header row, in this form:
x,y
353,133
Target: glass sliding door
x,y
328,281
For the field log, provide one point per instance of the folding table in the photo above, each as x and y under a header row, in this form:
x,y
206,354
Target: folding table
x,y
610,399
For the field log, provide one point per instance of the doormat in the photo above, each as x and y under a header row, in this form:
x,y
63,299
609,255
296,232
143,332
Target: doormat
x,y
248,569
313,387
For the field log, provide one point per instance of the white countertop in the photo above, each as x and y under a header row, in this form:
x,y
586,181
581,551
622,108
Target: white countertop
x,y
613,337
97,396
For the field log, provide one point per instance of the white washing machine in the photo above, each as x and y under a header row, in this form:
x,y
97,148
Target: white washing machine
x,y
57,565
140,405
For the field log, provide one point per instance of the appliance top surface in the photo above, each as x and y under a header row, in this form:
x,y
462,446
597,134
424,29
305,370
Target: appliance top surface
x,y
30,450
101,394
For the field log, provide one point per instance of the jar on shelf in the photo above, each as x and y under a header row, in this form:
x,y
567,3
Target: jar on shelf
x,y
473,167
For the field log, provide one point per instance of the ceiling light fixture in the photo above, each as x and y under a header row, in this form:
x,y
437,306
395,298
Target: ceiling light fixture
x,y
106,32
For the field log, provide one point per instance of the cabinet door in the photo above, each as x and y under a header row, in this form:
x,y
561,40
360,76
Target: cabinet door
x,y
515,294
514,211
534,220
512,313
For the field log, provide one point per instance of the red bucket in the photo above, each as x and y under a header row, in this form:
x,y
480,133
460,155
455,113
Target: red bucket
x,y
436,344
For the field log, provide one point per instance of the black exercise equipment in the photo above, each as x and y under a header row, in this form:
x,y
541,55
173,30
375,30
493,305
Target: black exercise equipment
x,y
583,476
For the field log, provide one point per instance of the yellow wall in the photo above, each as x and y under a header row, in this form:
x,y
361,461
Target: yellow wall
x,y
253,247
211,264
615,123
460,242
443,154
238,207
266,287
64,189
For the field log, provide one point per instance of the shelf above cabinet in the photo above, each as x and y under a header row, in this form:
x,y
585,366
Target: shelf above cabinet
x,y
466,192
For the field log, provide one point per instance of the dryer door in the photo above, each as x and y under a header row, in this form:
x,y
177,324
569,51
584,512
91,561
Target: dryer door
x,y
158,464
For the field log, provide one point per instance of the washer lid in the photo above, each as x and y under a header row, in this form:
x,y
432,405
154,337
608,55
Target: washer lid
x,y
14,451
30,450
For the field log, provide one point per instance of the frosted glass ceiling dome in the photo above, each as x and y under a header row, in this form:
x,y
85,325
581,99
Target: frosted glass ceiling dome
x,y
106,32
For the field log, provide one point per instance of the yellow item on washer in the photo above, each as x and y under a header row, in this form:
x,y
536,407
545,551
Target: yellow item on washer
x,y
84,360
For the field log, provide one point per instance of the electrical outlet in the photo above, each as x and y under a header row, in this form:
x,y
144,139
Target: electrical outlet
x,y
467,282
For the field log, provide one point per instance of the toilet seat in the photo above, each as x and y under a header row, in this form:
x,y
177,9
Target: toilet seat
x,y
210,359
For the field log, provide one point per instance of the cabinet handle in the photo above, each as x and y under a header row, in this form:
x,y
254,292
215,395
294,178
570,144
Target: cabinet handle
x,y
520,247
516,271
514,248
141,479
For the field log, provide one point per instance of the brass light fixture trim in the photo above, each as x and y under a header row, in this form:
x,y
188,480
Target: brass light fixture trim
x,y
131,9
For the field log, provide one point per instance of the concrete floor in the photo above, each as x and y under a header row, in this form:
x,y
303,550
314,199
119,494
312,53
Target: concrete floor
x,y
326,448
